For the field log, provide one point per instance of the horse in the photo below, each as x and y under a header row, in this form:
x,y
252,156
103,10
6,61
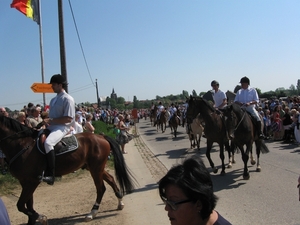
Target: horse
x,y
153,115
215,130
174,122
161,122
27,164
241,124
195,130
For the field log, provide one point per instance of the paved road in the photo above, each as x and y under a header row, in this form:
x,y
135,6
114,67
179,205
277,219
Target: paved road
x,y
269,197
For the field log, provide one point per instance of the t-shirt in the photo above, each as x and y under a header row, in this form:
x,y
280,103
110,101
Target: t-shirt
x,y
62,105
221,221
218,97
4,218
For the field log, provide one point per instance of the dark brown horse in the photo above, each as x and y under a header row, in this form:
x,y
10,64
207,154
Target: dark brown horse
x,y
161,122
153,115
241,125
215,130
174,122
27,164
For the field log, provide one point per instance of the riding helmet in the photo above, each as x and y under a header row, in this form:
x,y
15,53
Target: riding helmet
x,y
214,82
58,79
245,80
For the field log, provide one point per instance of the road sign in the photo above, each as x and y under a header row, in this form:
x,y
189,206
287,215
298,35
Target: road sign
x,y
41,88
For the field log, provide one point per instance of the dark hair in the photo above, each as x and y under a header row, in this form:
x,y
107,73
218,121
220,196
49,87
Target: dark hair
x,y
194,180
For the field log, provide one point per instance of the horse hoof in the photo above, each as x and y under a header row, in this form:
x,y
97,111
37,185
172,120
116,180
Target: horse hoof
x,y
258,169
88,218
121,206
42,219
253,162
215,170
246,177
229,166
223,173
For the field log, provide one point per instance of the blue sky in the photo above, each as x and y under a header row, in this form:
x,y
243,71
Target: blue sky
x,y
146,48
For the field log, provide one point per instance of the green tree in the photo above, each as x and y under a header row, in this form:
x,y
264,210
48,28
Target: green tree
x,y
185,93
135,102
120,100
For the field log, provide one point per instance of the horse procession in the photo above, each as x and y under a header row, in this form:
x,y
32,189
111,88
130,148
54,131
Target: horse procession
x,y
231,127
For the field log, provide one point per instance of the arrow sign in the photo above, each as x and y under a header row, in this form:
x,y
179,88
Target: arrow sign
x,y
41,88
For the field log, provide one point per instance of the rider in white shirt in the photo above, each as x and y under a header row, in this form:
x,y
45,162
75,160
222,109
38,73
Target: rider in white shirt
x,y
220,99
247,98
172,111
160,108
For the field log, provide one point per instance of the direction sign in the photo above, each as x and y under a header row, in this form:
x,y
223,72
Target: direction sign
x,y
41,88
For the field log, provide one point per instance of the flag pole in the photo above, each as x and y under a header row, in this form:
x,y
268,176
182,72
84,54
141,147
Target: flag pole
x,y
41,50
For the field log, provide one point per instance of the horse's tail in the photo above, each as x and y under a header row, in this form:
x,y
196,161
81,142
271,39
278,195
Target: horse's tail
x,y
122,172
264,148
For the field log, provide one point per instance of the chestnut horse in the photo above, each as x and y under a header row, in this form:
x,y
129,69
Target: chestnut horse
x,y
28,164
215,130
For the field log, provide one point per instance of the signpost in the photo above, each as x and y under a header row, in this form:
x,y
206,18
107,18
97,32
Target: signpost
x,y
41,88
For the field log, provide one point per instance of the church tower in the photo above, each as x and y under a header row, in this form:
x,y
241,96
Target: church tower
x,y
113,95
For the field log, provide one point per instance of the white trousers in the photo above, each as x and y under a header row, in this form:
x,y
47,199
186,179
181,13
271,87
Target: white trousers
x,y
57,133
253,112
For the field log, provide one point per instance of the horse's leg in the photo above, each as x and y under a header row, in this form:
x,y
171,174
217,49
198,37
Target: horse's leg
x,y
245,157
230,154
258,146
111,181
222,157
252,160
208,149
97,175
26,198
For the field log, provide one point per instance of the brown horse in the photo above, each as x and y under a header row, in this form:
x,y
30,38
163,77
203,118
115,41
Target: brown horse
x,y
161,122
215,130
28,164
153,115
242,126
174,122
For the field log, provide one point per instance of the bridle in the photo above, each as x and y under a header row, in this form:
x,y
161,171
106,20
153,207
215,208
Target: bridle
x,y
20,152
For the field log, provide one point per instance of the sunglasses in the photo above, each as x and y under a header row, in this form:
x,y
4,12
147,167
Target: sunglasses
x,y
174,205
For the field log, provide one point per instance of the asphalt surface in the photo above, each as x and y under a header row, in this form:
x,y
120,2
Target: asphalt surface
x,y
269,197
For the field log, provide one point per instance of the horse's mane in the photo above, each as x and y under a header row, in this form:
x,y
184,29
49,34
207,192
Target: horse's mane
x,y
236,108
207,104
16,126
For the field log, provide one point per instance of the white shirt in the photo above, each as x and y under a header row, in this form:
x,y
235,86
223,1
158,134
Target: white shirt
x,y
247,95
219,97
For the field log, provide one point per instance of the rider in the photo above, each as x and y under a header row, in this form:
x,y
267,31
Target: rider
x,y
220,99
61,114
248,98
172,111
160,108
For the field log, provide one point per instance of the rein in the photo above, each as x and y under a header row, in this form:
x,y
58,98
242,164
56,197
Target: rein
x,y
12,135
19,153
240,121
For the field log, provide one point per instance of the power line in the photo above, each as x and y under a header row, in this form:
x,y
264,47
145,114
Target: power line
x,y
80,43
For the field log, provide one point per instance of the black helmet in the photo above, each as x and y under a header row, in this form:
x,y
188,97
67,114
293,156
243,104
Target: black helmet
x,y
214,82
245,80
57,78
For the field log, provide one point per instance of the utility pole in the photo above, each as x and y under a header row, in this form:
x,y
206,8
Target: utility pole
x,y
98,99
63,65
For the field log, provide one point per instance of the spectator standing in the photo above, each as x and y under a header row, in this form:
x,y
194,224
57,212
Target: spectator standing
x,y
88,124
187,191
2,156
34,119
4,218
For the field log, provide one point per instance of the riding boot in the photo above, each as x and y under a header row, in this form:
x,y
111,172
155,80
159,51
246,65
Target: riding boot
x,y
51,168
260,134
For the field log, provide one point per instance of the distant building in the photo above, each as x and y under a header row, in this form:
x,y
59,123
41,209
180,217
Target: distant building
x,y
113,95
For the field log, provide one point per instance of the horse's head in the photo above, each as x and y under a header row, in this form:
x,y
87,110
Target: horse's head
x,y
12,129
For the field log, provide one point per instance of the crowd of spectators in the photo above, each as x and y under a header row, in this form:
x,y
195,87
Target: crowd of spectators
x,y
281,119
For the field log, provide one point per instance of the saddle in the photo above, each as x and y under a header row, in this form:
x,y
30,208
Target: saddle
x,y
68,143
